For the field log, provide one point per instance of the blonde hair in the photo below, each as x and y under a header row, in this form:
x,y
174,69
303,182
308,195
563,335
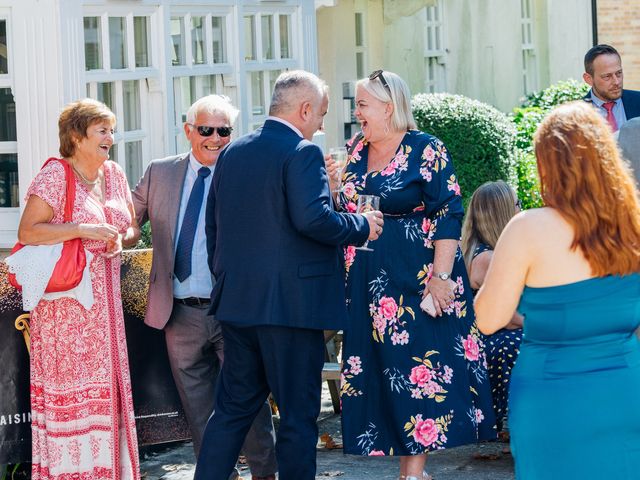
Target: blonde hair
x,y
491,207
76,118
398,95
583,177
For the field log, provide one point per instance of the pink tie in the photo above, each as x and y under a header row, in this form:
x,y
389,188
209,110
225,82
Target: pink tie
x,y
608,106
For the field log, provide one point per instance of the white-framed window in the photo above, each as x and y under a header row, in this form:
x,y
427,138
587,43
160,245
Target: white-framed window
x,y
202,47
118,67
529,64
268,51
434,61
9,191
361,45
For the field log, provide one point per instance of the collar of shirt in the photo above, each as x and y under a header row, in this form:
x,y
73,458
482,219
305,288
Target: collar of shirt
x,y
283,121
195,165
599,102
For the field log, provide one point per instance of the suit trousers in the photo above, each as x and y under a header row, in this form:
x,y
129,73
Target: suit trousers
x,y
260,359
195,347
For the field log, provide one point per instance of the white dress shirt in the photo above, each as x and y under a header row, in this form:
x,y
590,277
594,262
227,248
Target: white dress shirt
x,y
199,283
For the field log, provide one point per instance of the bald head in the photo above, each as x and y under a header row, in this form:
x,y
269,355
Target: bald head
x,y
294,87
300,98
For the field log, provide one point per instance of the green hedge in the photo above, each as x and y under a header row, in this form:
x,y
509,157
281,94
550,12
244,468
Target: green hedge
x,y
480,139
526,119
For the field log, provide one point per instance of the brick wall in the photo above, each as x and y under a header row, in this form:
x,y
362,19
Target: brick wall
x,y
619,26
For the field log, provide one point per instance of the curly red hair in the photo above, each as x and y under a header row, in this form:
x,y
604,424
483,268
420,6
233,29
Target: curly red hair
x,y
583,176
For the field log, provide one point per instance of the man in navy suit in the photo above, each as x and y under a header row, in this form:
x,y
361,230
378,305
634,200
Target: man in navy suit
x,y
274,247
603,72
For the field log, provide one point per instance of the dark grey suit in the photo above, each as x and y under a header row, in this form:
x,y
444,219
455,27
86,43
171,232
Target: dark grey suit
x,y
193,336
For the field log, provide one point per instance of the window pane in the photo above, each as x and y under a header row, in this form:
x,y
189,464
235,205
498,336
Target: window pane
x,y
133,161
92,44
359,38
267,37
197,40
141,37
113,153
105,94
131,91
7,116
249,39
177,37
187,90
273,76
218,32
257,93
437,35
285,36
118,42
9,195
360,65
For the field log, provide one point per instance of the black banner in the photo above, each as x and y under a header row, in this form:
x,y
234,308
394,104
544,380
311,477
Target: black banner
x,y
159,414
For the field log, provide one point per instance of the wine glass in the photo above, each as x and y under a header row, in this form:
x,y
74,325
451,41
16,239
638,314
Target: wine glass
x,y
367,203
339,156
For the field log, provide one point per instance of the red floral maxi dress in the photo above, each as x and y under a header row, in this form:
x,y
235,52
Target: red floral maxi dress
x,y
83,425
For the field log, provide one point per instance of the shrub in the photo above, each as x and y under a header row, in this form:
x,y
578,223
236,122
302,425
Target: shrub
x,y
558,93
145,237
526,119
480,139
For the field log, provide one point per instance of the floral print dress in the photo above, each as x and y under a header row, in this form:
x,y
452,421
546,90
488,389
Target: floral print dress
x,y
411,383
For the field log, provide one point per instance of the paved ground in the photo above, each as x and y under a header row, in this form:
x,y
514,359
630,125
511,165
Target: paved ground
x,y
472,462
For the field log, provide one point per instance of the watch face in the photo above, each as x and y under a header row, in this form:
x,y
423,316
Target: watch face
x,y
443,276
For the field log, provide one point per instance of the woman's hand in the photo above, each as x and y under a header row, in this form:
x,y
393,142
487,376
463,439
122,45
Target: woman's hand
x,y
99,231
332,172
442,292
114,247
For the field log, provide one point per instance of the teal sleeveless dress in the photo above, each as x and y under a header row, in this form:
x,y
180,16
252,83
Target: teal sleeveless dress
x,y
574,400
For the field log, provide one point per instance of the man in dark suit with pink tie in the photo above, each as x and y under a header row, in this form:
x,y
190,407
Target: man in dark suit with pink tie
x,y
603,72
274,244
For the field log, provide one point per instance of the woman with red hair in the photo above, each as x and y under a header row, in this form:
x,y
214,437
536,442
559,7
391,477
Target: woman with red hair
x,y
573,267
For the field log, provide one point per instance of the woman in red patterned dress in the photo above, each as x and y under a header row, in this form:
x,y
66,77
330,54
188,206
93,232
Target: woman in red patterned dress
x,y
82,411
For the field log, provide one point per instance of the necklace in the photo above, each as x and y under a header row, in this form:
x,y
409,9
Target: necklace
x,y
85,179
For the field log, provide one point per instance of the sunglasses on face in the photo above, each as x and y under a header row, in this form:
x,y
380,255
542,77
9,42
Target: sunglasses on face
x,y
205,131
378,74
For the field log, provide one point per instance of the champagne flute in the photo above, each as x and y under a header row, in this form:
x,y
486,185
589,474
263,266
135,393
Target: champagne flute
x,y
367,203
339,156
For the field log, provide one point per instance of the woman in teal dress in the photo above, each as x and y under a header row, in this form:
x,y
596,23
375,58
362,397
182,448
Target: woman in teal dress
x,y
412,383
573,267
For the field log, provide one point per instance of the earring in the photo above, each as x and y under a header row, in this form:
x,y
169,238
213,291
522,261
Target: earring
x,y
386,129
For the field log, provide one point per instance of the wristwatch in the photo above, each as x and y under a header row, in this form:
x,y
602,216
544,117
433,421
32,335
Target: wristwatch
x,y
443,276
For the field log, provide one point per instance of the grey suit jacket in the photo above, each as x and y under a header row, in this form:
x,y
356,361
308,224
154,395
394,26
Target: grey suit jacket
x,y
156,199
629,141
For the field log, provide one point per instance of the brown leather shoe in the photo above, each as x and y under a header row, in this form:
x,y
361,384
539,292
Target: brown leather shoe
x,y
268,477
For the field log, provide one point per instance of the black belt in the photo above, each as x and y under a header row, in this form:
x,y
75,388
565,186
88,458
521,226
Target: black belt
x,y
194,301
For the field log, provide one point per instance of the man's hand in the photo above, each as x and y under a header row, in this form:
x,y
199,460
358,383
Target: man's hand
x,y
375,220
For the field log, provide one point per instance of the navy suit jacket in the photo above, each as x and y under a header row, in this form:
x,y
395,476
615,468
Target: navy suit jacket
x,y
273,238
630,102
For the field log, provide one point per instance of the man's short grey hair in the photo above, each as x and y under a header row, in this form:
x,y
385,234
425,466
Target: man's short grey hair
x,y
294,87
398,94
213,105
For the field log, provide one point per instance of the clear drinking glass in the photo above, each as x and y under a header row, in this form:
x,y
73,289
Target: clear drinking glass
x,y
339,156
367,203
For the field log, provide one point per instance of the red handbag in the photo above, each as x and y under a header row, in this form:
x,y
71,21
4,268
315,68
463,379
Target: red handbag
x,y
69,269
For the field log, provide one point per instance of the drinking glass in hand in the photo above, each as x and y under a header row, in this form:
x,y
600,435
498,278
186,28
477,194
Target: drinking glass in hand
x,y
367,203
339,156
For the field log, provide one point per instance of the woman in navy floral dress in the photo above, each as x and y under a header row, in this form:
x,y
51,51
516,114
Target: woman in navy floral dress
x,y
411,383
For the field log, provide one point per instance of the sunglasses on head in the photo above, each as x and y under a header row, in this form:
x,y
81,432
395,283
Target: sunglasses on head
x,y
205,131
378,74
519,204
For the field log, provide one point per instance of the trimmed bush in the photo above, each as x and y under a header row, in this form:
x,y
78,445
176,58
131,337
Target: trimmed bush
x,y
526,119
480,139
558,93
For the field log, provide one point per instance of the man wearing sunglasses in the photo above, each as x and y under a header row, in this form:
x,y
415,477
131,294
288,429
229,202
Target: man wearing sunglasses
x,y
171,196
274,243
